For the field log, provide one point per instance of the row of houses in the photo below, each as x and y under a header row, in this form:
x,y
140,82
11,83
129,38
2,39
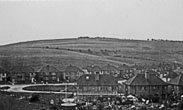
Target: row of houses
x,y
93,80
142,84
71,73
47,73
107,84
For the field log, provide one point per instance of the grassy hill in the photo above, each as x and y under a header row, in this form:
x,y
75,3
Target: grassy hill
x,y
86,51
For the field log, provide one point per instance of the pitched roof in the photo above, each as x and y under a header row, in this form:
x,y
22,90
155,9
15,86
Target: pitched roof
x,y
90,79
109,67
171,74
93,68
177,81
137,67
123,67
48,68
139,79
22,69
72,68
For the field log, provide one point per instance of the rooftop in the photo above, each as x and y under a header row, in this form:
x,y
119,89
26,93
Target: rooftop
x,y
22,69
90,79
140,79
177,81
48,68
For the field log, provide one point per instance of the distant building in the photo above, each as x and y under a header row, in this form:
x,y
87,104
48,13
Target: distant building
x,y
146,84
3,75
177,84
22,74
72,73
137,68
97,84
110,69
167,75
49,74
93,69
126,72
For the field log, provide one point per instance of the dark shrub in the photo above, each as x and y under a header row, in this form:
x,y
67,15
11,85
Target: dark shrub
x,y
34,98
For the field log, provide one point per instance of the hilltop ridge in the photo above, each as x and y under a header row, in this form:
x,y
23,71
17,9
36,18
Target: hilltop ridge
x,y
85,51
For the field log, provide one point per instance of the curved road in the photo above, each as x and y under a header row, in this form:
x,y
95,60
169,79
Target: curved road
x,y
19,88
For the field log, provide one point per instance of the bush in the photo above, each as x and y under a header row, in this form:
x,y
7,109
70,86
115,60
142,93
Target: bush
x,y
34,98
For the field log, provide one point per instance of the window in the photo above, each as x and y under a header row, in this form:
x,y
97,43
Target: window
x,y
143,88
85,88
46,73
46,78
53,74
54,78
99,88
87,77
109,88
154,87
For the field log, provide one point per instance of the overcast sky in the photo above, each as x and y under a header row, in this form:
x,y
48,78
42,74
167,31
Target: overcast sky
x,y
133,19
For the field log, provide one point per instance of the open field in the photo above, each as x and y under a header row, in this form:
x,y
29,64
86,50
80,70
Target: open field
x,y
87,51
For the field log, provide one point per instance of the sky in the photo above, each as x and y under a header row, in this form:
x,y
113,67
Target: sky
x,y
25,20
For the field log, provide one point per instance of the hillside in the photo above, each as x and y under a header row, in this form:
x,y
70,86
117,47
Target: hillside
x,y
86,51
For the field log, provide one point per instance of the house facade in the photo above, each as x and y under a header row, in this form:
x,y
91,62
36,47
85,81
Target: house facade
x,y
126,72
144,84
110,69
97,85
177,84
72,73
22,74
49,74
3,75
93,69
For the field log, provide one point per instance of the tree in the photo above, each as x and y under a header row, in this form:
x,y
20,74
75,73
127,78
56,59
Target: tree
x,y
89,51
34,98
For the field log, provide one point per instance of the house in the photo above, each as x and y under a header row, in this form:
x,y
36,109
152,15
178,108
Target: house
x,y
126,72
49,74
137,68
3,75
145,84
97,85
110,69
93,69
72,73
167,75
22,74
177,84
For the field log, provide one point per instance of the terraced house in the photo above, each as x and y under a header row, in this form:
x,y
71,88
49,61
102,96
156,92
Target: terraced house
x,y
126,71
23,74
49,74
93,69
110,69
72,73
3,75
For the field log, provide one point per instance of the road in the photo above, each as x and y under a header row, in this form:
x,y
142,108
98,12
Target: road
x,y
19,88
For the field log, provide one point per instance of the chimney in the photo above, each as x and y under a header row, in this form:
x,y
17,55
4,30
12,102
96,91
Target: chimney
x,y
146,75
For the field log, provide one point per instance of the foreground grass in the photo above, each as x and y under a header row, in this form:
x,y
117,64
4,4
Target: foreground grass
x,y
12,103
